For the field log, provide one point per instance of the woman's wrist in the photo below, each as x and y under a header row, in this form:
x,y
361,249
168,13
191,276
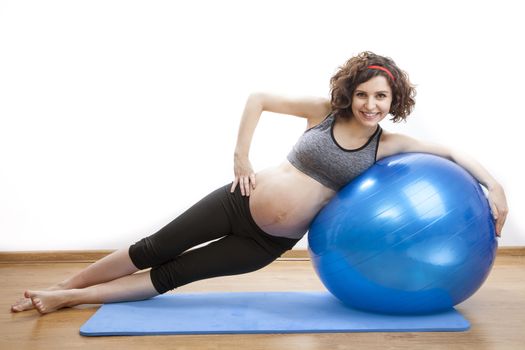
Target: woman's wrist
x,y
240,154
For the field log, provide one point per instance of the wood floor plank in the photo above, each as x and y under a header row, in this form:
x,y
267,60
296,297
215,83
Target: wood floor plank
x,y
93,255
496,312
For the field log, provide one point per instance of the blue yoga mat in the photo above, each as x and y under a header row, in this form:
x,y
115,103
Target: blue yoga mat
x,y
255,312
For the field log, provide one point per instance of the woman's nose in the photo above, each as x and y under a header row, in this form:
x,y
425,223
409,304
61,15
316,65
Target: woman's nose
x,y
370,104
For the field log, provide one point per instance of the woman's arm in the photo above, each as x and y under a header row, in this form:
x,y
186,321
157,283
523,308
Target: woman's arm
x,y
244,175
398,143
311,108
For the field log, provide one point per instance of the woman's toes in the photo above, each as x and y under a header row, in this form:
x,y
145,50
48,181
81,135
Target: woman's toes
x,y
22,305
38,305
46,301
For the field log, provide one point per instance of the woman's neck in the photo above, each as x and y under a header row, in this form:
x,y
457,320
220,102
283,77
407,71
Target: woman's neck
x,y
356,129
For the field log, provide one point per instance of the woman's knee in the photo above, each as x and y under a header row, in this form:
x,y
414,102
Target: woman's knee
x,y
143,255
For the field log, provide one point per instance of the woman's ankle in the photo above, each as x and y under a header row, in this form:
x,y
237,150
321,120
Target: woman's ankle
x,y
66,284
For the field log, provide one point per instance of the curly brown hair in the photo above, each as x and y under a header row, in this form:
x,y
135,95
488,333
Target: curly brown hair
x,y
355,72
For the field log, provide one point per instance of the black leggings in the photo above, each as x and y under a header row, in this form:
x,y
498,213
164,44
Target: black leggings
x,y
242,247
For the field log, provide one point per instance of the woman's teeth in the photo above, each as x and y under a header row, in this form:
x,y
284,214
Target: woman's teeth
x,y
370,115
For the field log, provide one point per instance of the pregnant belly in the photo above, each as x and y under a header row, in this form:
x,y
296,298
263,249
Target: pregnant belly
x,y
286,200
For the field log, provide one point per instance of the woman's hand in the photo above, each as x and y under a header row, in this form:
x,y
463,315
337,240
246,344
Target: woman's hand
x,y
244,175
498,205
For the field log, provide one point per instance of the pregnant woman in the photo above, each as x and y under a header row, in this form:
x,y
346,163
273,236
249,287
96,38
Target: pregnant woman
x,y
256,218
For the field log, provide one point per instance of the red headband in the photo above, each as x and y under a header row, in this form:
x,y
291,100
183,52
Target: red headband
x,y
384,70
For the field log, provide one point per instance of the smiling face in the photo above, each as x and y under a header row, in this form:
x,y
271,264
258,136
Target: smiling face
x,y
371,101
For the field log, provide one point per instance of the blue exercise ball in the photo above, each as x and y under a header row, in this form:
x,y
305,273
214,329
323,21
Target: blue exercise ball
x,y
411,235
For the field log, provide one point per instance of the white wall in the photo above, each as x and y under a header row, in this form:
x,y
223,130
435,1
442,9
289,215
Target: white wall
x,y
117,115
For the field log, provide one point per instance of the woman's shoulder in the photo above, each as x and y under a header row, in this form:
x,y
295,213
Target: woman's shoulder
x,y
390,143
394,143
322,110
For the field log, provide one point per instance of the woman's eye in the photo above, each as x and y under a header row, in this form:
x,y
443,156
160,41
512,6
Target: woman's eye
x,y
381,95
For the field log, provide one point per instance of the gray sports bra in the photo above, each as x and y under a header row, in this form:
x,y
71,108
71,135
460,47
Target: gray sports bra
x,y
318,155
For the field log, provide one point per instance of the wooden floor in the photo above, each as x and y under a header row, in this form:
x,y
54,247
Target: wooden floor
x,y
496,313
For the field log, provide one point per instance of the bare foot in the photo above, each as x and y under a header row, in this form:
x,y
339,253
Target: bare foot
x,y
24,304
46,301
